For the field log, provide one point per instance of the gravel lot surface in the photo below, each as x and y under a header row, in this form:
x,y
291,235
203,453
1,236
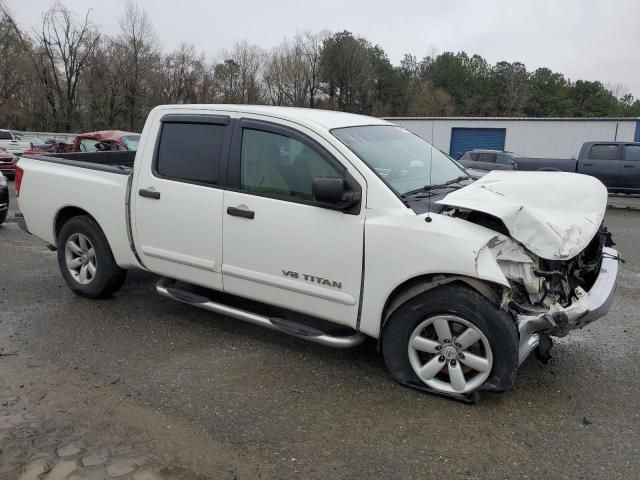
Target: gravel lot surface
x,y
140,387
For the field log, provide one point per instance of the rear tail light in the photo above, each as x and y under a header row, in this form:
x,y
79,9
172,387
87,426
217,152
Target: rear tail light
x,y
18,180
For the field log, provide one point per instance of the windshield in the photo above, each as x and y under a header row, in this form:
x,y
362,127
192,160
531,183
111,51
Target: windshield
x,y
131,142
402,159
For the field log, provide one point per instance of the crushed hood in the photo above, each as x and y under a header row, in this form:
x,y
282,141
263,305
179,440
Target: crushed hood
x,y
553,214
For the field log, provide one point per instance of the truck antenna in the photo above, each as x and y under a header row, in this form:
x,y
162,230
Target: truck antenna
x,y
428,218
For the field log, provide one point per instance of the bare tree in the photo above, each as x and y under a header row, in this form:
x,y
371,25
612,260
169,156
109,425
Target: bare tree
x,y
240,73
183,75
60,56
311,45
137,37
66,47
285,75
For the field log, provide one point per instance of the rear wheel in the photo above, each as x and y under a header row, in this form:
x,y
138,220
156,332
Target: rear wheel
x,y
451,340
3,216
86,261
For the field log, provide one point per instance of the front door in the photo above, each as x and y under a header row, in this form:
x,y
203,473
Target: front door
x,y
602,161
281,247
177,204
630,171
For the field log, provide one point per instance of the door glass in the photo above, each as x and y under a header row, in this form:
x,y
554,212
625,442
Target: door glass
x,y
279,165
190,151
632,153
604,152
487,157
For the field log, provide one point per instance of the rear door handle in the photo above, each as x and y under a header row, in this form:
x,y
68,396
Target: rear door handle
x,y
629,166
239,212
149,194
588,164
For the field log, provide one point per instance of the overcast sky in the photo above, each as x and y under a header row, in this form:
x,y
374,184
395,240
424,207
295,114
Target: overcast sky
x,y
583,39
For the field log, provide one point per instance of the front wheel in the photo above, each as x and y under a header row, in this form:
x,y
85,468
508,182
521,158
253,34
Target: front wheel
x,y
451,340
86,261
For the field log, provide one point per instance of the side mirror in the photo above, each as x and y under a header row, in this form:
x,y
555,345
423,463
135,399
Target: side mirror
x,y
328,189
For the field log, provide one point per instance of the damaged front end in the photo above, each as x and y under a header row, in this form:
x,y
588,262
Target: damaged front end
x,y
553,297
553,250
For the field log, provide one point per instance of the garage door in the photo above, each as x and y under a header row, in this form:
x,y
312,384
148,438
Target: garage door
x,y
465,139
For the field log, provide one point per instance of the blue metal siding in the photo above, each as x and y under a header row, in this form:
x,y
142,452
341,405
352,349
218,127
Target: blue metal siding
x,y
465,139
636,138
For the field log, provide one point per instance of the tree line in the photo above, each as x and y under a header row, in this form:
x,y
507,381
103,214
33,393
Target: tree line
x,y
68,76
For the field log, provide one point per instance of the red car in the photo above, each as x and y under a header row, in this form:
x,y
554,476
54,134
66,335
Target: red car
x,y
8,163
106,140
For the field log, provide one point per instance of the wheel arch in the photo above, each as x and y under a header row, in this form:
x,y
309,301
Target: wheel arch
x,y
67,213
494,292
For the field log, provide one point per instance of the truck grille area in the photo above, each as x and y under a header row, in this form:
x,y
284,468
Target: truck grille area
x,y
562,277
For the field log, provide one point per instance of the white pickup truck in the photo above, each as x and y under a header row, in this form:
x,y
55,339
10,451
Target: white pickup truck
x,y
333,227
12,143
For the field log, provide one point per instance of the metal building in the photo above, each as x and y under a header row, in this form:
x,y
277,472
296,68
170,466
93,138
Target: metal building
x,y
532,137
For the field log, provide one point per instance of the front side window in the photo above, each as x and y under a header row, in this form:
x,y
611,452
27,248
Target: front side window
x,y
190,151
604,152
632,153
403,160
273,164
5,135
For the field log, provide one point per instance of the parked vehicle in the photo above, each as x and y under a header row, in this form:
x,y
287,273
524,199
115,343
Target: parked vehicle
x,y
4,198
331,227
12,142
108,140
7,163
616,164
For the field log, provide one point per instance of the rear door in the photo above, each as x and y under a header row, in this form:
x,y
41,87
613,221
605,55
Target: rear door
x,y
602,160
177,205
280,246
630,171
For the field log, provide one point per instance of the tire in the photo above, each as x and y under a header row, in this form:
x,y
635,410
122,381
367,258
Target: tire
x,y
494,355
3,216
99,281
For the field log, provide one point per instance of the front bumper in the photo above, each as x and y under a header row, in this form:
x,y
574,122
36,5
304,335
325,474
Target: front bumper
x,y
587,307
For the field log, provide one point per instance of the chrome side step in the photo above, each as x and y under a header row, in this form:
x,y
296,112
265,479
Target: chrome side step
x,y
165,288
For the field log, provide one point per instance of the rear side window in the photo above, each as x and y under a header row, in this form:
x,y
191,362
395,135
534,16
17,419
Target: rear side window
x,y
5,135
632,153
190,152
604,152
487,157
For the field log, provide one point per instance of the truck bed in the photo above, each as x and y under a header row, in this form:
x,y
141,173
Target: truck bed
x,y
114,162
96,183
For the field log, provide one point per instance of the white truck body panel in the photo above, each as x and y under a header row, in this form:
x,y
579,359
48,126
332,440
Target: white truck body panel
x,y
103,195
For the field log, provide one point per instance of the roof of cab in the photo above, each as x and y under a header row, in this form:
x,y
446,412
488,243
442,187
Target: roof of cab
x,y
328,119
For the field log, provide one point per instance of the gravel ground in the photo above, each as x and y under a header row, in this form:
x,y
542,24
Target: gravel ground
x,y
140,387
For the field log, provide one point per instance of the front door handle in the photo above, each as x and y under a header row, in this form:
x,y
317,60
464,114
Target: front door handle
x,y
239,212
588,164
628,166
149,194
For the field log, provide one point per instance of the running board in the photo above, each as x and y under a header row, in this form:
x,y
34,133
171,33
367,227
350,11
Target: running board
x,y
165,288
